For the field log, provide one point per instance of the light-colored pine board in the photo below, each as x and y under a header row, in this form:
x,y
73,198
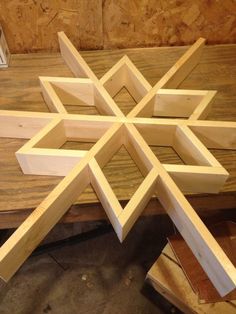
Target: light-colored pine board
x,y
51,98
191,150
197,179
81,69
203,109
182,103
176,74
193,230
137,203
110,134
105,194
70,90
24,240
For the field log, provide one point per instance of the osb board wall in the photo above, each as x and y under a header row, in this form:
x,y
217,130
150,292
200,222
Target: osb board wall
x,y
31,25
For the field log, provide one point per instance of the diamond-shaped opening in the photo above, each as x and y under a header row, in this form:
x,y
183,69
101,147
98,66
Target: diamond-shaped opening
x,y
125,84
123,164
167,155
72,133
123,174
124,100
125,160
200,173
74,95
171,145
58,147
88,196
74,104
177,103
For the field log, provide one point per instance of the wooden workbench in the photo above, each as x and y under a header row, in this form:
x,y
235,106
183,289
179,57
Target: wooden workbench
x,y
20,90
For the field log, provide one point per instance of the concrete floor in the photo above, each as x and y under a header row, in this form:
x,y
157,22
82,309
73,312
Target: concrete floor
x,y
98,276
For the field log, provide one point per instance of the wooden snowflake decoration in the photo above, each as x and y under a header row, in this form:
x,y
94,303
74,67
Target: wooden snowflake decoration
x,y
186,133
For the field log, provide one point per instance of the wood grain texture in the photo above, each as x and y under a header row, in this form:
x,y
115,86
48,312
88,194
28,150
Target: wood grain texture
x,y
168,278
20,90
157,23
225,235
32,25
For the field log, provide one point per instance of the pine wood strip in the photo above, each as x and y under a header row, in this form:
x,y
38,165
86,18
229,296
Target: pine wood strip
x,y
181,103
114,79
24,124
203,109
197,179
23,241
135,82
80,68
191,150
51,98
106,195
195,233
52,162
171,79
70,90
137,203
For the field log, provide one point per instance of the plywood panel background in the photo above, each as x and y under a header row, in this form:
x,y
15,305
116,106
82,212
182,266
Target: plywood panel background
x,y
31,25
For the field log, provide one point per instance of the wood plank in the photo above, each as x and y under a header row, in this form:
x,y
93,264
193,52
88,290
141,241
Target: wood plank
x,y
176,74
135,82
177,102
191,150
195,233
225,234
197,179
23,241
203,109
51,98
20,125
137,203
70,90
54,162
114,79
25,95
81,69
97,25
105,194
178,290
198,238
125,74
206,250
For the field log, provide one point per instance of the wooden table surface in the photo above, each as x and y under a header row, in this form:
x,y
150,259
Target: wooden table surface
x,y
20,90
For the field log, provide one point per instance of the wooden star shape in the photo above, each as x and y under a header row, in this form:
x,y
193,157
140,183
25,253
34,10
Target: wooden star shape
x,y
186,133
